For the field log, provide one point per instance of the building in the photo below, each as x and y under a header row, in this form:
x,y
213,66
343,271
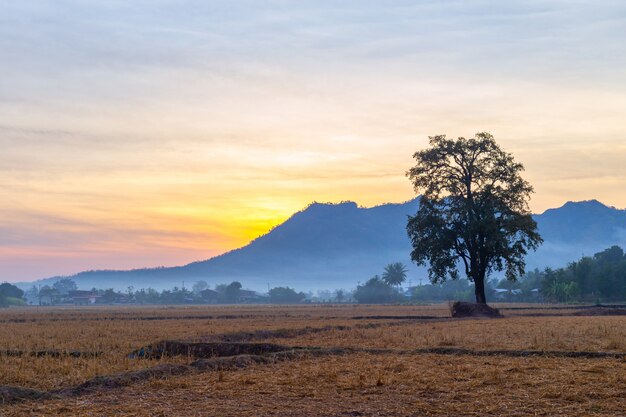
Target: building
x,y
210,296
83,298
251,297
506,294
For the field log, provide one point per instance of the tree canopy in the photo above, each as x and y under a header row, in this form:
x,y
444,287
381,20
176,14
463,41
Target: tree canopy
x,y
375,290
65,285
199,286
395,274
232,290
285,295
10,294
473,211
10,290
601,276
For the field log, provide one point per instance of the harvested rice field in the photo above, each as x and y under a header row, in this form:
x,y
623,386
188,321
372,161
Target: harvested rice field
x,y
317,360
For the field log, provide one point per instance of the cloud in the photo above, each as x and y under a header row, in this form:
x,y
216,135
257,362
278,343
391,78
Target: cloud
x,y
197,125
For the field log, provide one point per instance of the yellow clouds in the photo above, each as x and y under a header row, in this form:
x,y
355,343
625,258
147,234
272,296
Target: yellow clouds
x,y
193,184
132,138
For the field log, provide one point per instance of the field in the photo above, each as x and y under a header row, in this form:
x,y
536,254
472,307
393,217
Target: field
x,y
331,360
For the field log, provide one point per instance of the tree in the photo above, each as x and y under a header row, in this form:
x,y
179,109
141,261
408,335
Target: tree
x,y
176,296
109,296
147,296
285,295
32,295
375,290
64,286
199,286
395,274
9,290
231,292
10,295
446,291
49,295
473,211
601,276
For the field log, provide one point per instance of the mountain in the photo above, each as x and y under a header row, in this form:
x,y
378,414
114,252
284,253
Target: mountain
x,y
588,221
328,246
576,229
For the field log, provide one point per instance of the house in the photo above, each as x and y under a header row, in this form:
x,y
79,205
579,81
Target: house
x,y
505,294
123,299
410,291
83,298
249,296
210,296
535,294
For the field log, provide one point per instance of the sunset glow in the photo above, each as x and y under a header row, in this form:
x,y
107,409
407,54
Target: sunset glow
x,y
146,133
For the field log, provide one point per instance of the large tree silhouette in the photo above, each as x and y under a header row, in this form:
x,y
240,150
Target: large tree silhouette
x,y
473,211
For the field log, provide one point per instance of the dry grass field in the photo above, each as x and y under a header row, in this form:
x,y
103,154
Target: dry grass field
x,y
375,360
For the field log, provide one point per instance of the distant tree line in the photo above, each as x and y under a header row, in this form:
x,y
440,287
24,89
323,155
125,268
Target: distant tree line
x,y
65,291
597,278
386,288
601,277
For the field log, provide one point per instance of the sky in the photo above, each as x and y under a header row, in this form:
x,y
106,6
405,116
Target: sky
x,y
143,133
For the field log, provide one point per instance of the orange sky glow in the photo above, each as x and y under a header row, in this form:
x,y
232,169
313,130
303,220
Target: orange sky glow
x,y
138,136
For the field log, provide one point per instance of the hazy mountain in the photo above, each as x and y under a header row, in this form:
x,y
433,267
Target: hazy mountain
x,y
337,245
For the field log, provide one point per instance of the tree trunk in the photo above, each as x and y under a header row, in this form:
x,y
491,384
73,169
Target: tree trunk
x,y
479,289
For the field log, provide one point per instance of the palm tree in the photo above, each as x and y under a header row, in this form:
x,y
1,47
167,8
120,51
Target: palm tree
x,y
395,274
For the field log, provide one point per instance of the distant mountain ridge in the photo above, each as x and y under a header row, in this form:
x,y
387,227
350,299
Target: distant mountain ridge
x,y
588,220
329,246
